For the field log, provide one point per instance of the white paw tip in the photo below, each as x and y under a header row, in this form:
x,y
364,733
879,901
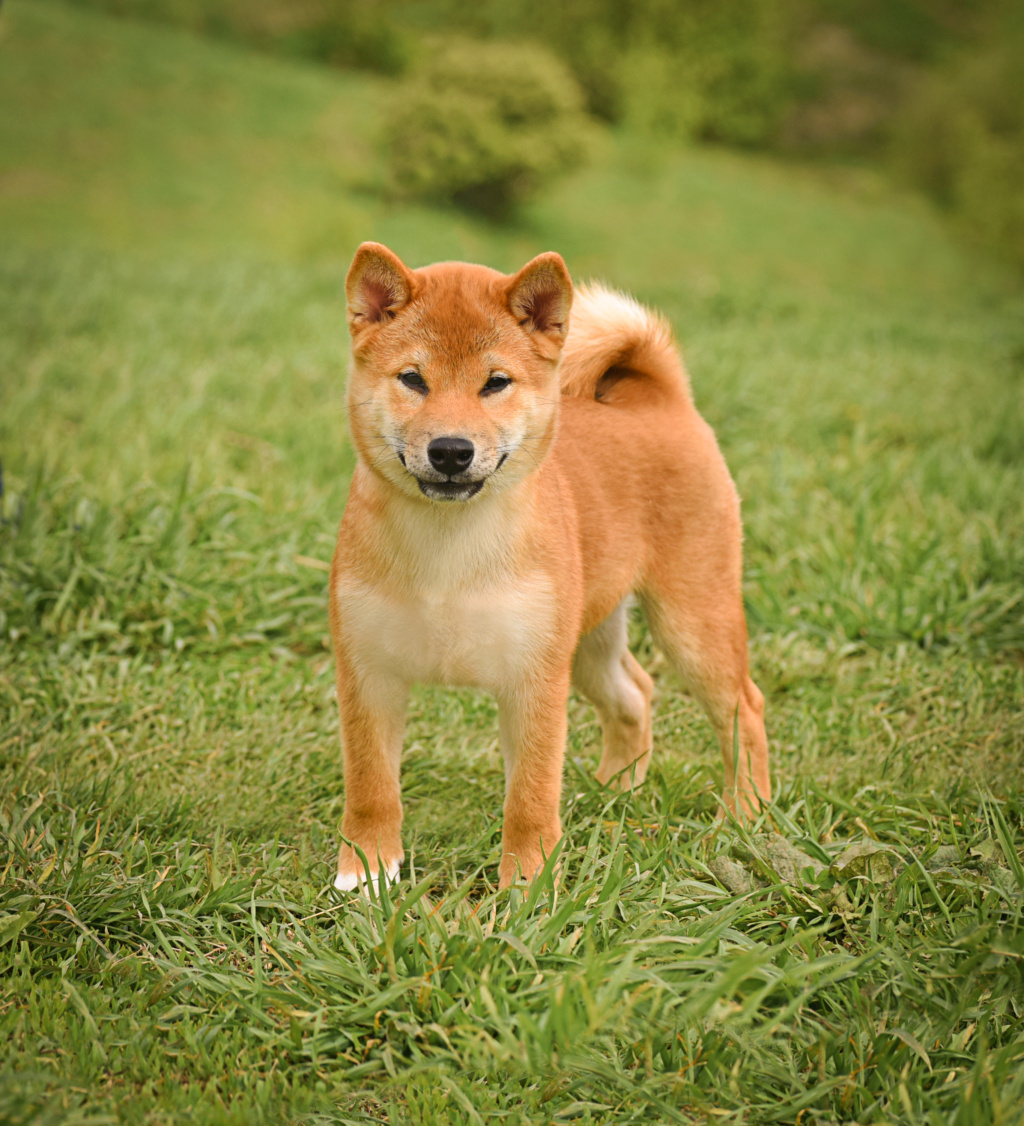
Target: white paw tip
x,y
349,881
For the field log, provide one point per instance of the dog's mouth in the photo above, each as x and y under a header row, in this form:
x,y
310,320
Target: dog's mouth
x,y
449,490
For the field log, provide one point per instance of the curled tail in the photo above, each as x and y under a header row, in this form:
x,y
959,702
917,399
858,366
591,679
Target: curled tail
x,y
619,352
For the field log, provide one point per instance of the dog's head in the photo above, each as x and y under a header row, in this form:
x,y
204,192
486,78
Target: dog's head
x,y
453,387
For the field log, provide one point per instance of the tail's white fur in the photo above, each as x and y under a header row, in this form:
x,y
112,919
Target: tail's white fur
x,y
615,341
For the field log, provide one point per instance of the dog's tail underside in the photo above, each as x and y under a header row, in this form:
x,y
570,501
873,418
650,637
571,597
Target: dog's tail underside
x,y
620,353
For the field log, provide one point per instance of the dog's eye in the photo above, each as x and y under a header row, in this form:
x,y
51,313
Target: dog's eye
x,y
494,384
414,381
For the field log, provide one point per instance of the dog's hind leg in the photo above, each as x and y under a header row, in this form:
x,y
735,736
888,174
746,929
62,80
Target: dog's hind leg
x,y
609,676
701,628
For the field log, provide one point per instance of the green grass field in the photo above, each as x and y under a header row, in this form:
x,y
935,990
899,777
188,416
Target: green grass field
x,y
175,223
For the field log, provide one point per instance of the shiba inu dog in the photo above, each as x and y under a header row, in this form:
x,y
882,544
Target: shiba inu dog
x,y
518,481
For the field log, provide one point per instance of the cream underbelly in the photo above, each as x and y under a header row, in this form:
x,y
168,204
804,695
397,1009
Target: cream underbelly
x,y
485,638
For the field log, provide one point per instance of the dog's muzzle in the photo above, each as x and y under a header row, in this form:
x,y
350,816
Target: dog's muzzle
x,y
450,457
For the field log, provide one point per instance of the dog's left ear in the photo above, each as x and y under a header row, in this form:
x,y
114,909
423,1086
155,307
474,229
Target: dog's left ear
x,y
540,297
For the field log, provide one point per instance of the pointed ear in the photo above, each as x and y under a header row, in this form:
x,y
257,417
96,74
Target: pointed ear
x,y
378,285
540,296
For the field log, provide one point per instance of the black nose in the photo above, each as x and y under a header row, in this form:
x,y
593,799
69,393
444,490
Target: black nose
x,y
451,455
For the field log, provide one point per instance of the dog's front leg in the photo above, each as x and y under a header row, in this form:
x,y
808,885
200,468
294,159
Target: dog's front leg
x,y
533,729
372,710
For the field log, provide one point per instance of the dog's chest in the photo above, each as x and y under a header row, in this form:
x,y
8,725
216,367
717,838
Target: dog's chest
x,y
485,637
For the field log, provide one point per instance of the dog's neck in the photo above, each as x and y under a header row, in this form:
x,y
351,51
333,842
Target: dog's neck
x,y
438,547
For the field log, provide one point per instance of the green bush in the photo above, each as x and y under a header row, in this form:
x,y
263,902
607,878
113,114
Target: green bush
x,y
485,125
349,33
713,69
961,139
908,29
716,71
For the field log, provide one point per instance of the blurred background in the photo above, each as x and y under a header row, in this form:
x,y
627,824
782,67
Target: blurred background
x,y
485,105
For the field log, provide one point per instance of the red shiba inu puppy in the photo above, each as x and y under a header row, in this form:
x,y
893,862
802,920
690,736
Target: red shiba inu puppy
x,y
518,481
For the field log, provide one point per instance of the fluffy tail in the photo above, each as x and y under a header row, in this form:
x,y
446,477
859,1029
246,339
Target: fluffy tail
x,y
619,352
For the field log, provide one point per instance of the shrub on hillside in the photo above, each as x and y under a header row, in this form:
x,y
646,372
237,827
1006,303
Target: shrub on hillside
x,y
485,125
961,139
713,69
345,33
727,61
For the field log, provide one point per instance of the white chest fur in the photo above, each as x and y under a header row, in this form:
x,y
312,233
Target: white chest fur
x,y
443,602
489,637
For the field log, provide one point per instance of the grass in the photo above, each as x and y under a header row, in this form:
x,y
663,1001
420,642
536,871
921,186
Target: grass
x,y
171,366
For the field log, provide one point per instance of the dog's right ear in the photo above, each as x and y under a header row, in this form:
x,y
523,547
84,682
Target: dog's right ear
x,y
378,285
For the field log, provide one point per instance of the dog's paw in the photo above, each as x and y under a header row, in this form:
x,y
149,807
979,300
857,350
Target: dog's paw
x,y
349,881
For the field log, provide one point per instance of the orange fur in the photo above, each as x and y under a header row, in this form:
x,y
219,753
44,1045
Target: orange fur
x,y
592,478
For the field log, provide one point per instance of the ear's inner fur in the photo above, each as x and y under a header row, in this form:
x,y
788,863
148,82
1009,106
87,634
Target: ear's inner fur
x,y
378,285
380,298
541,306
540,297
